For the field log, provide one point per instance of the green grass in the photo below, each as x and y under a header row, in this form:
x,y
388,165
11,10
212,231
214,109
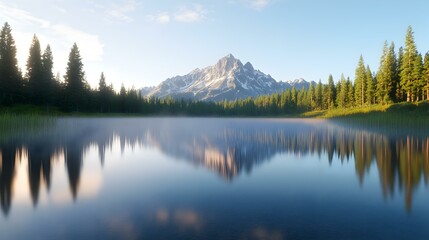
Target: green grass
x,y
400,114
345,112
8,121
12,125
30,110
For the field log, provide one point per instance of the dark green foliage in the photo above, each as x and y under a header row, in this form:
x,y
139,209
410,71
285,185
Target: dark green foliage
x,y
395,70
417,78
122,98
41,86
360,81
407,65
399,91
330,93
34,75
343,93
426,75
51,87
319,97
351,93
369,87
387,79
312,96
10,76
76,89
105,96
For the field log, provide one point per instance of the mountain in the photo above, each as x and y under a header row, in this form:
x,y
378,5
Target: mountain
x,y
146,90
300,83
228,79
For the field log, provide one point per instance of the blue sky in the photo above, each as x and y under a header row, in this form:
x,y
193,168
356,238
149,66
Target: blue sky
x,y
141,43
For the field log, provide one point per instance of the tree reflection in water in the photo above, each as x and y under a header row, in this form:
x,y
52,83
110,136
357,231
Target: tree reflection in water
x,y
228,147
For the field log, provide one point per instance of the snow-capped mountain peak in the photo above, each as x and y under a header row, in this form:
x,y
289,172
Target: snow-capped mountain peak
x,y
248,66
228,79
228,63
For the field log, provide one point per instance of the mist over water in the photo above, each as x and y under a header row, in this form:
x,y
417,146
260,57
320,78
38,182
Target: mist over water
x,y
211,178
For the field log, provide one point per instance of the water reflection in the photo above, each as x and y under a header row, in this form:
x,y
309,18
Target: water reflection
x,y
228,147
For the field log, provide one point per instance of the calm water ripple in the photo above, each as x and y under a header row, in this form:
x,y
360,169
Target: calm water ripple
x,y
209,178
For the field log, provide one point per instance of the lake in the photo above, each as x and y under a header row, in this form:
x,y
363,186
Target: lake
x,y
213,178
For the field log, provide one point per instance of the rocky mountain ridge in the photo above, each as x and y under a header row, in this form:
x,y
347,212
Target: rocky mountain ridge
x,y
228,79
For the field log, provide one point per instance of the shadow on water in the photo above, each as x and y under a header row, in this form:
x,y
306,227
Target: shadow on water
x,y
227,147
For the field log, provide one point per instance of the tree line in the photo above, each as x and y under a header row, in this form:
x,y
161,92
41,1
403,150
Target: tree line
x,y
402,76
39,86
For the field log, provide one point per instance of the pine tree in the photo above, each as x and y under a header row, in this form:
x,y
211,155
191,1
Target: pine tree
x,y
102,86
381,76
399,91
294,95
34,73
330,93
369,87
417,78
75,84
395,72
10,76
283,101
407,66
342,96
337,92
360,83
102,93
122,98
324,97
351,94
319,97
51,85
381,79
386,76
312,96
337,89
426,75
301,100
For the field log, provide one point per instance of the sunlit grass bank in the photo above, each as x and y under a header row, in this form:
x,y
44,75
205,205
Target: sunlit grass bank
x,y
400,114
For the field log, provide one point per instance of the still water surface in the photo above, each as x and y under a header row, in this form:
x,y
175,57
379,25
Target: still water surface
x,y
203,178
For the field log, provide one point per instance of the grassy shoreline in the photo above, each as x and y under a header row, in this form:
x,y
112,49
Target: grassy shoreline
x,y
414,115
402,117
12,125
393,112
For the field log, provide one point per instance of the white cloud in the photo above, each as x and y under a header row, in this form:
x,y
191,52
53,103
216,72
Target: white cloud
x,y
121,12
255,4
60,37
259,4
162,17
183,14
187,15
11,13
89,45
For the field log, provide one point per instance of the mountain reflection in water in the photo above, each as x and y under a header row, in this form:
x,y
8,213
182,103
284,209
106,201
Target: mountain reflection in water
x,y
227,147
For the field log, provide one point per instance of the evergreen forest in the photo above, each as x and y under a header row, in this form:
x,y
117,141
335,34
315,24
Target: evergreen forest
x,y
402,76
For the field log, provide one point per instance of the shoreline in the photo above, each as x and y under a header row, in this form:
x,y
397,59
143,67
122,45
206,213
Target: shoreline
x,y
397,111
